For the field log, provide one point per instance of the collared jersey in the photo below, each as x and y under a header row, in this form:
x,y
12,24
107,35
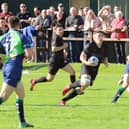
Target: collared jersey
x,y
13,44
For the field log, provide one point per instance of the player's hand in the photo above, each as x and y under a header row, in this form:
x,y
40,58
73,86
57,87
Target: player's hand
x,y
65,45
91,64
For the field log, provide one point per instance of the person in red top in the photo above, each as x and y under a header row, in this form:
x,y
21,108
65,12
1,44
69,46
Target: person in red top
x,y
5,13
119,30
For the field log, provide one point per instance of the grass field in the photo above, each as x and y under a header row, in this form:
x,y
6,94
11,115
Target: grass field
x,y
93,110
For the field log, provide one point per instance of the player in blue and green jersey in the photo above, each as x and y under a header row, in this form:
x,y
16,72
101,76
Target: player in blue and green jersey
x,y
15,46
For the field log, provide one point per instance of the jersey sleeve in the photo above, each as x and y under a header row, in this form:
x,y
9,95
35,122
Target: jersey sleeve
x,y
87,49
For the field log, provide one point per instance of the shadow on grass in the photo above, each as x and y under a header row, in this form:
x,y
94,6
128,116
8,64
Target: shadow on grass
x,y
34,67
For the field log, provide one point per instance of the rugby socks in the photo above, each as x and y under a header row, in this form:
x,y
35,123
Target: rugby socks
x,y
20,109
75,85
42,79
71,95
119,93
1,100
72,78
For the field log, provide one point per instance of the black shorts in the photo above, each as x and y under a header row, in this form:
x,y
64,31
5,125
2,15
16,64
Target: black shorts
x,y
90,71
56,64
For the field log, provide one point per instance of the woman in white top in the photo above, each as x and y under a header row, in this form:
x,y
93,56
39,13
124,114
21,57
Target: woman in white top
x,y
92,23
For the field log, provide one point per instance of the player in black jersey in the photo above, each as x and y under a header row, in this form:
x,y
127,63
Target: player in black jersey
x,y
89,70
57,59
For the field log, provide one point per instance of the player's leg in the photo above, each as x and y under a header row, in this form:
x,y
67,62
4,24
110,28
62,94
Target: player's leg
x,y
53,68
85,80
124,84
77,88
122,88
20,105
47,78
6,91
68,68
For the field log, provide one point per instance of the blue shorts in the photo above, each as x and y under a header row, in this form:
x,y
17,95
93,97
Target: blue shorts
x,y
127,68
12,71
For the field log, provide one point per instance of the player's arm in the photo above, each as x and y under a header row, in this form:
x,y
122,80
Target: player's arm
x,y
83,59
65,53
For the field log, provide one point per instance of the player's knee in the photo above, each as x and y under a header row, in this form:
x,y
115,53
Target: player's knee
x,y
126,80
72,72
21,96
49,79
85,80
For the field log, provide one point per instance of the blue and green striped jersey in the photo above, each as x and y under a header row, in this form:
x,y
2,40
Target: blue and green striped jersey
x,y
14,43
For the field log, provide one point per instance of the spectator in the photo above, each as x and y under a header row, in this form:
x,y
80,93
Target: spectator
x,y
5,13
85,10
59,19
36,11
44,21
24,16
52,12
62,10
118,30
3,27
92,23
81,13
116,8
74,24
106,18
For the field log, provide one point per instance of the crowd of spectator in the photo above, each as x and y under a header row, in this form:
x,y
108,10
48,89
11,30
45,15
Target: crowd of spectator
x,y
112,23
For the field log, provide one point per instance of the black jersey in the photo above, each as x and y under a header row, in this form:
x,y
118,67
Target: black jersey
x,y
57,60
57,41
24,16
93,50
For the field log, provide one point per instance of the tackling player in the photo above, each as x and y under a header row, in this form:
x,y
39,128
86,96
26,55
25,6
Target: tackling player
x,y
57,59
89,70
124,82
14,45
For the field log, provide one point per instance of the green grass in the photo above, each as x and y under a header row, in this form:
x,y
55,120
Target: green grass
x,y
93,110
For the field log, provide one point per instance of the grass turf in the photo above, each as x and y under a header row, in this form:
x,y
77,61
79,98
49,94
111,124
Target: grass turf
x,y
93,110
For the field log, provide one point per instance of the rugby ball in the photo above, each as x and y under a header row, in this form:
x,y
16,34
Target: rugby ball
x,y
94,59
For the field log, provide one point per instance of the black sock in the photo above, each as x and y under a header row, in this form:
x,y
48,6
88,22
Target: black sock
x,y
75,85
1,100
20,109
42,79
72,78
71,95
